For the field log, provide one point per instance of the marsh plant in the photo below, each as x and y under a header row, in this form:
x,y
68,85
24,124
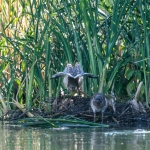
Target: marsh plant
x,y
109,38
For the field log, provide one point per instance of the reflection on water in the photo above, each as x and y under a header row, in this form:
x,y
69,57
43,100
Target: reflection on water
x,y
19,138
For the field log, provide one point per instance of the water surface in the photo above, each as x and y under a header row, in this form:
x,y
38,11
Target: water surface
x,y
20,138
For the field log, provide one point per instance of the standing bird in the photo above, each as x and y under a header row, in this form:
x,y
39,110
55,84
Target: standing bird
x,y
73,77
99,103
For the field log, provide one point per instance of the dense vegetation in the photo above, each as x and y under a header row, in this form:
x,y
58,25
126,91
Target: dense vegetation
x,y
37,38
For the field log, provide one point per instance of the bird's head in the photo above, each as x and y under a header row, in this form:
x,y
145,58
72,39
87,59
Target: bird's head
x,y
99,100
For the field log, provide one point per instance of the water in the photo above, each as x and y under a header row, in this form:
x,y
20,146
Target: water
x,y
20,138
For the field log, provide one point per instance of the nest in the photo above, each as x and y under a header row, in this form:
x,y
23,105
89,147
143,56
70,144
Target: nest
x,y
125,115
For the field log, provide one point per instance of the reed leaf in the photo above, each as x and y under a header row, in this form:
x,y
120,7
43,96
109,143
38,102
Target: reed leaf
x,y
38,38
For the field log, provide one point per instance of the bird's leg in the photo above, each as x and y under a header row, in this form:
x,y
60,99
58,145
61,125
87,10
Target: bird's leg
x,y
62,93
102,116
94,116
79,92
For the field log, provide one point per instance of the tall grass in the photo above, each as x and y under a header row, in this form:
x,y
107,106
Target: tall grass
x,y
38,38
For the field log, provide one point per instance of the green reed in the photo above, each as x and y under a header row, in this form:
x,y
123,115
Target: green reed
x,y
38,38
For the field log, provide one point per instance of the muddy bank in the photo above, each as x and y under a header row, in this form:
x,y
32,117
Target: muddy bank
x,y
79,107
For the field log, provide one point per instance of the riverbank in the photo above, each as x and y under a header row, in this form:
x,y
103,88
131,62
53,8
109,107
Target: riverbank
x,y
79,107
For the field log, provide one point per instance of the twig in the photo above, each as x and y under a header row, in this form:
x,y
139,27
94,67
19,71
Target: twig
x,y
137,94
123,112
23,109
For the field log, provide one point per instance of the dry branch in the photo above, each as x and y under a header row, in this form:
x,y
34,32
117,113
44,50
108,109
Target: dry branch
x,y
23,109
137,105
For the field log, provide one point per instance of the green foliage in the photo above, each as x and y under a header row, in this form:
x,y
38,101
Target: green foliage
x,y
67,121
106,38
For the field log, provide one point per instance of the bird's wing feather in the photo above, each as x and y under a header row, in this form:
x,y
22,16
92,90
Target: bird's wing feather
x,y
57,75
68,74
88,75
68,68
77,70
61,74
78,75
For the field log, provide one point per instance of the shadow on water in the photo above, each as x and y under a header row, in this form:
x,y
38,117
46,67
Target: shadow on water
x,y
19,138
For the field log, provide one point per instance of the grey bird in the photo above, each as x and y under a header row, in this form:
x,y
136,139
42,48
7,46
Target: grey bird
x,y
73,77
99,103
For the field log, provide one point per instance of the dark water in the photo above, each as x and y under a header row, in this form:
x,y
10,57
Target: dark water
x,y
19,138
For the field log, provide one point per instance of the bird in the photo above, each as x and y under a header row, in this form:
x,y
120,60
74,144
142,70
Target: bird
x,y
73,77
99,103
111,101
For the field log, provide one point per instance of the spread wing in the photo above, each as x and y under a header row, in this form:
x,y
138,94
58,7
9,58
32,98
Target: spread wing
x,y
73,72
77,70
67,72
88,75
61,74
57,75
68,69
